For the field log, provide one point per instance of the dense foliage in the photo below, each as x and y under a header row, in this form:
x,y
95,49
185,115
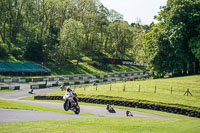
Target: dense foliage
x,y
173,44
57,30
61,30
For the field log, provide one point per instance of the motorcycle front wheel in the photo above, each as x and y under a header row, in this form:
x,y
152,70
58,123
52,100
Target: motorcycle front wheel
x,y
66,105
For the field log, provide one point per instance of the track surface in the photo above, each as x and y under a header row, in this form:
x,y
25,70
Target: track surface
x,y
13,115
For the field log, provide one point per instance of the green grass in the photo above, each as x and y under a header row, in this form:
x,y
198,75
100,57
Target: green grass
x,y
86,68
162,96
165,114
105,125
182,124
5,90
27,98
16,105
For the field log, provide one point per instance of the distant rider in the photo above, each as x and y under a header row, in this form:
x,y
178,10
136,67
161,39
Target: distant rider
x,y
110,108
62,87
128,113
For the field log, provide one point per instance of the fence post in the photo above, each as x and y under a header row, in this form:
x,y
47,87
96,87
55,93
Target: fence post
x,y
84,88
155,89
139,89
171,90
124,87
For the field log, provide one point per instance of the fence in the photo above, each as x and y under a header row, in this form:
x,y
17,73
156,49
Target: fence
x,y
147,87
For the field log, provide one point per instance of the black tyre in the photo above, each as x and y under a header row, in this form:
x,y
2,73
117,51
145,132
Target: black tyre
x,y
66,105
77,111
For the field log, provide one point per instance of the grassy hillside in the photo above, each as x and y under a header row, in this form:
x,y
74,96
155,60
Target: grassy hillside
x,y
82,68
87,68
144,91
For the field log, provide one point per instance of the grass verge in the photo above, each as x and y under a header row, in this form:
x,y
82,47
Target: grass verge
x,y
5,90
183,124
165,114
105,125
149,91
16,105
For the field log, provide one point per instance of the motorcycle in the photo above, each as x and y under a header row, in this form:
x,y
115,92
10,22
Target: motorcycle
x,y
128,113
70,104
31,91
110,109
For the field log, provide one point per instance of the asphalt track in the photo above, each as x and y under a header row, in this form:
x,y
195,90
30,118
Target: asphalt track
x,y
13,115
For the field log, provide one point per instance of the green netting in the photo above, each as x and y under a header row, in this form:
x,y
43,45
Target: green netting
x,y
5,67
18,66
34,66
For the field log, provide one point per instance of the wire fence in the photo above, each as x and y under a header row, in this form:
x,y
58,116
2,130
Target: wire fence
x,y
171,88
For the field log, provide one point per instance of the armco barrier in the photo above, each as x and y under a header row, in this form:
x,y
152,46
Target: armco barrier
x,y
75,77
80,82
191,113
38,86
9,87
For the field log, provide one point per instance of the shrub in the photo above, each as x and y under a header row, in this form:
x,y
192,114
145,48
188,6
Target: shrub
x,y
3,50
17,52
95,64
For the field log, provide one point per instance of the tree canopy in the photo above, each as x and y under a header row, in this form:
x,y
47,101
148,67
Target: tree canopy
x,y
174,46
61,30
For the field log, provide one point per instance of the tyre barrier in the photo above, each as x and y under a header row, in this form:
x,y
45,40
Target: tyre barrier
x,y
48,98
175,110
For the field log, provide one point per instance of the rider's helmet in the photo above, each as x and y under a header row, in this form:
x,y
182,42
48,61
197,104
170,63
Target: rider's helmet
x,y
69,88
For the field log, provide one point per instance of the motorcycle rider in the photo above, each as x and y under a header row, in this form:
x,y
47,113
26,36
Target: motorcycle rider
x,y
70,92
128,113
110,108
62,87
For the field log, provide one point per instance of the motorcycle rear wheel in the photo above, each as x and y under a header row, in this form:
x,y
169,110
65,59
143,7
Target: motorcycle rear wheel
x,y
77,111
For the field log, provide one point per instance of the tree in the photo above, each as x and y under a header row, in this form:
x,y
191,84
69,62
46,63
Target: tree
x,y
72,39
34,51
194,44
120,37
114,15
3,50
11,20
178,20
138,51
37,30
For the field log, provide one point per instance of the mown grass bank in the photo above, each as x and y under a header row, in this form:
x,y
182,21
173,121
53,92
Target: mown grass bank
x,y
86,68
83,69
17,105
168,92
182,124
106,125
5,90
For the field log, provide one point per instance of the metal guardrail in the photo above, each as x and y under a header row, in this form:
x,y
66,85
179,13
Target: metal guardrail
x,y
6,87
71,77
